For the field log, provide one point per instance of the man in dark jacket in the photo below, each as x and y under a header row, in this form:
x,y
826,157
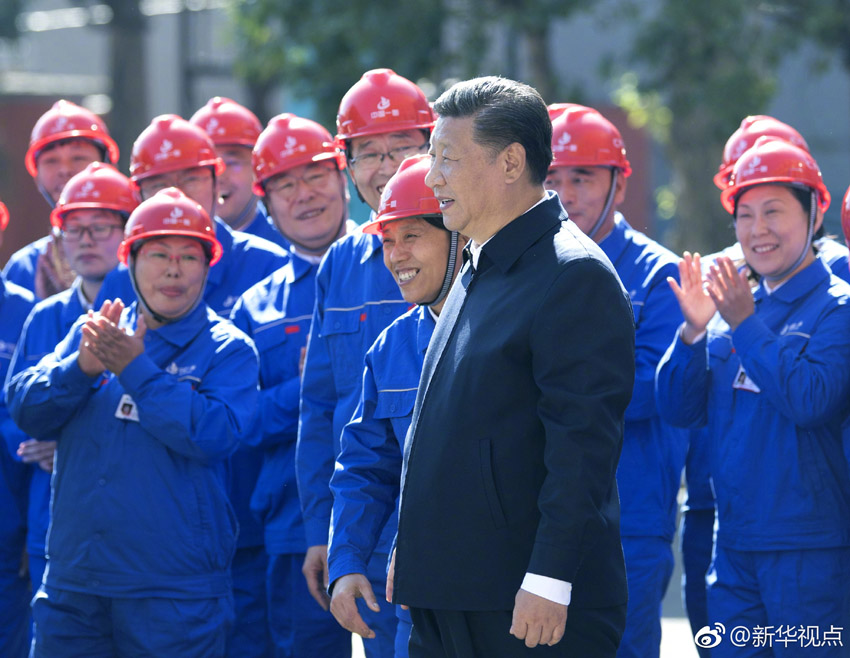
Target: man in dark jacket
x,y
509,507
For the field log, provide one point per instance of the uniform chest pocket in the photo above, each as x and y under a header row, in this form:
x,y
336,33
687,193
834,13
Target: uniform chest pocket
x,y
395,403
341,331
719,348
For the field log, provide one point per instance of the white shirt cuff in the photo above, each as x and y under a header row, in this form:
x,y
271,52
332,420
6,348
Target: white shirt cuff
x,y
552,589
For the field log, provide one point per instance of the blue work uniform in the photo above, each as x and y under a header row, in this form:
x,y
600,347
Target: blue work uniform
x,y
366,479
245,260
21,266
356,298
276,314
772,396
697,522
47,325
15,305
263,227
650,468
141,526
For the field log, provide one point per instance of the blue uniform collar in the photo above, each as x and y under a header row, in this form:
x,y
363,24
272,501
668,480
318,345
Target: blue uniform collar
x,y
615,242
514,239
179,333
374,243
424,328
798,285
225,236
299,267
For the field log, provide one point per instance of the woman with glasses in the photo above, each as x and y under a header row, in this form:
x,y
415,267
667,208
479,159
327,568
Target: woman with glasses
x,y
145,404
90,216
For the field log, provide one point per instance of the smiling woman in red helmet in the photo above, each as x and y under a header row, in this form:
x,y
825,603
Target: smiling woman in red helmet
x,y
763,371
422,256
145,403
383,118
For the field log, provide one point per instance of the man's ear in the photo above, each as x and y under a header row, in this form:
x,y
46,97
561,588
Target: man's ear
x,y
513,162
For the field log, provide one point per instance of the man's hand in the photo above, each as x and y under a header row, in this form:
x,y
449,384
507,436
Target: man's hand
x,y
346,591
537,620
315,570
33,451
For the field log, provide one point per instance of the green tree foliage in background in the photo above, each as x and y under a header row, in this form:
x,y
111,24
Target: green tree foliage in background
x,y
708,65
317,50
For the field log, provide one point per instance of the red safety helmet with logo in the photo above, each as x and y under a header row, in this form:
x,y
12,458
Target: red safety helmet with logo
x,y
582,137
290,141
774,160
555,109
168,213
4,216
171,143
227,122
67,120
406,195
380,102
99,185
751,128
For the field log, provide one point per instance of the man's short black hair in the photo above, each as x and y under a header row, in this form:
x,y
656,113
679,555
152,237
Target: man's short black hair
x,y
505,111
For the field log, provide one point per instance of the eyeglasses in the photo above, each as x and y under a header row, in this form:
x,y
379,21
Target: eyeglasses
x,y
396,155
98,232
286,186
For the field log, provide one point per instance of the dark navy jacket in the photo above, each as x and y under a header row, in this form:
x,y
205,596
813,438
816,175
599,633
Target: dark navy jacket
x,y
510,461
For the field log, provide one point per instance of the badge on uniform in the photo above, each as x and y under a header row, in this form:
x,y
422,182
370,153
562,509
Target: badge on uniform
x,y
127,409
743,381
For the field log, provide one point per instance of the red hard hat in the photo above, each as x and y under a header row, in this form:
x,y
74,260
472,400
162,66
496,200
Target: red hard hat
x,y
406,194
753,127
289,141
228,122
169,213
555,109
67,120
99,185
4,216
380,102
582,137
774,160
171,143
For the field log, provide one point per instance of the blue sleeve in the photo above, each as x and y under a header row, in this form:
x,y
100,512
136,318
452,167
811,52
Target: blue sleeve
x,y
203,424
365,483
314,455
276,419
808,386
43,397
660,317
681,384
